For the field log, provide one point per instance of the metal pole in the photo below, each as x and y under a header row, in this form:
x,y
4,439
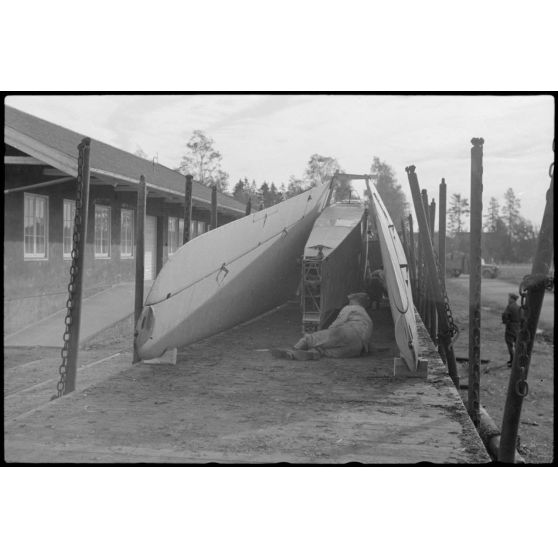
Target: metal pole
x,y
442,228
437,288
73,349
532,288
214,207
473,394
187,209
141,208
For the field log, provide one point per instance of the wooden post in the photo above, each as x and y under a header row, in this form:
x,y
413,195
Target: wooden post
x,y
438,289
214,207
473,394
442,228
534,296
426,291
187,209
81,226
432,305
413,262
141,208
420,273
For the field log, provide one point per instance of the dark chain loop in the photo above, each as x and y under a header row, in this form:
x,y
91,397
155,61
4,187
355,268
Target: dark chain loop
x,y
529,282
64,352
453,331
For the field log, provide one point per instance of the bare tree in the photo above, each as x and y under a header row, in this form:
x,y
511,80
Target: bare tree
x,y
203,162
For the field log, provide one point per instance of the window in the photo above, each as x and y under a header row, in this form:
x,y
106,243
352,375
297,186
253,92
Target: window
x,y
102,231
180,232
173,235
127,233
35,236
68,231
195,228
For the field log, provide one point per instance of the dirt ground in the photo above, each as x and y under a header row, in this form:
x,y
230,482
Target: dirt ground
x,y
536,432
30,374
229,400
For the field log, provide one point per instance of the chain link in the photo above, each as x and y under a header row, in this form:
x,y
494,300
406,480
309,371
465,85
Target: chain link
x,y
452,332
529,283
76,244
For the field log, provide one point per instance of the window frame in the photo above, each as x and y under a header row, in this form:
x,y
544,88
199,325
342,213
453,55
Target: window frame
x,y
127,255
33,256
68,255
103,255
176,244
180,231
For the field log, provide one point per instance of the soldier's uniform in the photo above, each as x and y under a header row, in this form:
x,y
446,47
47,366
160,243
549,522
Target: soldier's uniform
x,y
348,336
511,317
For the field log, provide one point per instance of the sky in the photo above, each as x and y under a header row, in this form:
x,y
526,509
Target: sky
x,y
271,137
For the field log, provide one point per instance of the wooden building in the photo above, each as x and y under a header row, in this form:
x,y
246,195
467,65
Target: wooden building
x,y
40,170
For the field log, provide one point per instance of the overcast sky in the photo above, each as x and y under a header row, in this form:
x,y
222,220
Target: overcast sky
x,y
265,137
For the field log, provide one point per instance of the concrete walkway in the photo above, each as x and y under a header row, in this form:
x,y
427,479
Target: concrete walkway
x,y
99,312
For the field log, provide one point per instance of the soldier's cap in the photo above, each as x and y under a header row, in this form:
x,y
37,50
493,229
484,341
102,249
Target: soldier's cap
x,y
361,298
514,296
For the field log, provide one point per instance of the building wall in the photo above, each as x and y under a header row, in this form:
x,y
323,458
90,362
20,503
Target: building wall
x,y
34,289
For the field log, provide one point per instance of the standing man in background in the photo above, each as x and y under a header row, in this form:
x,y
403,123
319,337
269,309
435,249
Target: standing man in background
x,y
511,317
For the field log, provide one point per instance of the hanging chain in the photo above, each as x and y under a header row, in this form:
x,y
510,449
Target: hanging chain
x,y
76,244
452,332
521,386
530,283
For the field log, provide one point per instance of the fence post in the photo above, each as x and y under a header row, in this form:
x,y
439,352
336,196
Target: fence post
x,y
532,291
413,262
73,348
432,304
427,296
141,207
473,394
187,209
213,207
442,227
438,288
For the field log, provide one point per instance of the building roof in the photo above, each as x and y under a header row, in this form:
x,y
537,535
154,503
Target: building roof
x,y
58,147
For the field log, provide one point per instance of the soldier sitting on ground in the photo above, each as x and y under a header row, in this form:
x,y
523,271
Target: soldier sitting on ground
x,y
349,335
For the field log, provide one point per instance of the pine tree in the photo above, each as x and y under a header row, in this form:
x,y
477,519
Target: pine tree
x,y
389,190
458,209
493,215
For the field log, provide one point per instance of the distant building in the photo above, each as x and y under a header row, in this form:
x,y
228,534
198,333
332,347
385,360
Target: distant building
x,y
40,170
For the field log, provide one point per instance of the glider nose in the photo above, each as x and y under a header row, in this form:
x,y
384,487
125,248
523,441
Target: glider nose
x,y
143,332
